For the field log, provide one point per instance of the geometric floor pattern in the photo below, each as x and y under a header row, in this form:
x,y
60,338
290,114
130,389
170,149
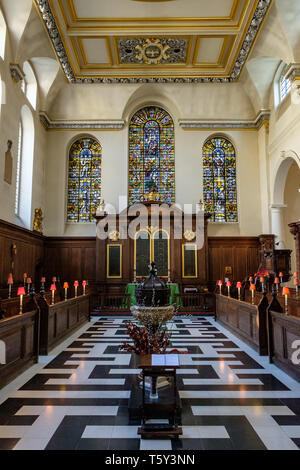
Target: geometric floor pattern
x,y
231,397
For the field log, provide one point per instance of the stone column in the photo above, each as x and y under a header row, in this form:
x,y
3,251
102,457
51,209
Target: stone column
x,y
278,225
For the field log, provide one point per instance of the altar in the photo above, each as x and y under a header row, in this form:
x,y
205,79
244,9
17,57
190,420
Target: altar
x,y
122,261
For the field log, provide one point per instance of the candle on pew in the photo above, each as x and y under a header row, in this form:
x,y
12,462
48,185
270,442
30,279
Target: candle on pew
x,y
277,282
84,286
253,289
43,280
286,292
10,282
281,277
76,284
25,277
220,283
228,284
29,282
21,292
296,283
66,287
239,285
53,289
262,281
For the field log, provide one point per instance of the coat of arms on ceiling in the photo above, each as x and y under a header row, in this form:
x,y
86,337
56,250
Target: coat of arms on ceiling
x,y
152,50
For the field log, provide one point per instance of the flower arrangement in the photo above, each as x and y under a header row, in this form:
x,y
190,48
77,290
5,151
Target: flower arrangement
x,y
146,342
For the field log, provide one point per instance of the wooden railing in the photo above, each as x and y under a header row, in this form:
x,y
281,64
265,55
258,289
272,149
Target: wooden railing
x,y
115,302
200,302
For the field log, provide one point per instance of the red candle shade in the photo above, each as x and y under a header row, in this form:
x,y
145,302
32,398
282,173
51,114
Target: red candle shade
x,y
228,284
239,285
29,281
285,291
54,279
252,287
251,279
21,291
10,279
220,283
280,274
295,274
76,283
53,289
43,279
84,283
277,280
25,275
296,280
66,285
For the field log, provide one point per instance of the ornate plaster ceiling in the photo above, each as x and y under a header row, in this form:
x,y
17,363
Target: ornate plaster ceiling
x,y
127,41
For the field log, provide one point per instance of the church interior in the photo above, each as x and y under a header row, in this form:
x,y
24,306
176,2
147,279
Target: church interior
x,y
150,225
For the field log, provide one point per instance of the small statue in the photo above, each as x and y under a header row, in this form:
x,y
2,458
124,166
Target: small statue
x,y
101,207
38,219
8,166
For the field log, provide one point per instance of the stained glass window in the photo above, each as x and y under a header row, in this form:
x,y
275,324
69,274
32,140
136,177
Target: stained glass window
x,y
84,185
219,180
151,156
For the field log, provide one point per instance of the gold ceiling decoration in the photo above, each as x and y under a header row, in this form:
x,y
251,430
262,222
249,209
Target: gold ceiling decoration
x,y
152,40
152,51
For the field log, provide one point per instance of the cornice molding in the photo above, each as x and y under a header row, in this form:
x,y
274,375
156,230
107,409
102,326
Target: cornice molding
x,y
198,124
49,20
101,124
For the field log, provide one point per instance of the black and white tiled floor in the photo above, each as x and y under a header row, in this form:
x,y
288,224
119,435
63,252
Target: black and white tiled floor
x,y
78,398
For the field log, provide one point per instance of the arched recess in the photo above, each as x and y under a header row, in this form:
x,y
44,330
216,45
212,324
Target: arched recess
x,y
161,251
25,167
30,84
142,252
84,179
281,173
3,30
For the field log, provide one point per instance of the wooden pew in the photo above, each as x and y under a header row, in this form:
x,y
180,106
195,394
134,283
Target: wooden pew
x,y
20,334
247,321
283,331
58,321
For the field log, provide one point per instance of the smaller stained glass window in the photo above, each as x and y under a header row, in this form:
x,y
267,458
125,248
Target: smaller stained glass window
x,y
219,180
84,184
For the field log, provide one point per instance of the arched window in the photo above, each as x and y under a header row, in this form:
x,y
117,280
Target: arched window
x,y
2,35
29,84
219,180
151,156
23,199
284,87
84,184
18,174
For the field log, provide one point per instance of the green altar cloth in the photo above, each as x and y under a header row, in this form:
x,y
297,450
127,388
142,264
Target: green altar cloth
x,y
130,289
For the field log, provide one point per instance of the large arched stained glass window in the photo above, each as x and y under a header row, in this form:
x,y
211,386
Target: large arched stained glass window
x,y
84,184
151,156
219,180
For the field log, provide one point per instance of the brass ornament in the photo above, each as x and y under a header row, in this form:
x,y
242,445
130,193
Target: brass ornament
x,y
189,235
114,236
